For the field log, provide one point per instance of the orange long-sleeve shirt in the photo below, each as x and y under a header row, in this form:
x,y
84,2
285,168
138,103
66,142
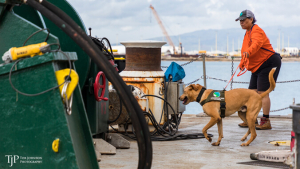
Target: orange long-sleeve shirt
x,y
253,42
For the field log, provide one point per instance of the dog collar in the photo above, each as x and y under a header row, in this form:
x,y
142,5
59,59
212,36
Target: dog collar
x,y
200,94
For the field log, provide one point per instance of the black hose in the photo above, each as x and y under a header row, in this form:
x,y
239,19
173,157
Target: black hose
x,y
135,112
63,16
168,123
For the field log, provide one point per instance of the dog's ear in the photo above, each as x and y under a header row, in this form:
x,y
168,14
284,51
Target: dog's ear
x,y
195,87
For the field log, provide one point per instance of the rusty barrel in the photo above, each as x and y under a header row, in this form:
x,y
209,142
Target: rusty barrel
x,y
143,70
143,55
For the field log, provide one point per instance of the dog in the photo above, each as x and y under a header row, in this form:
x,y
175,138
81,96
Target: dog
x,y
246,102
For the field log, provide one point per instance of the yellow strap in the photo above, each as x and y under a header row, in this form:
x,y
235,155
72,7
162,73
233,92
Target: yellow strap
x,y
62,74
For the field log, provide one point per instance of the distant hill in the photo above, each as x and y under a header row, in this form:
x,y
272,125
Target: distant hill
x,y
190,41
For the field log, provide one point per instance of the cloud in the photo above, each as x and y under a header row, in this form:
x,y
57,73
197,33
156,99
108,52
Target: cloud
x,y
126,28
108,18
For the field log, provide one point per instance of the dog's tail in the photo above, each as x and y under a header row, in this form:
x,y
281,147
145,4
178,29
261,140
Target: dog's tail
x,y
272,83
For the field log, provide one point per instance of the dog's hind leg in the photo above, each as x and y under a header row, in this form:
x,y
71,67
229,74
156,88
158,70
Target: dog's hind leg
x,y
220,130
251,118
242,115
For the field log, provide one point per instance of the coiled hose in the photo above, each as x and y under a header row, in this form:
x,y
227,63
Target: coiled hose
x,y
65,23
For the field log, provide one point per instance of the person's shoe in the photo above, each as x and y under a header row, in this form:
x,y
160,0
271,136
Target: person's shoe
x,y
245,125
265,124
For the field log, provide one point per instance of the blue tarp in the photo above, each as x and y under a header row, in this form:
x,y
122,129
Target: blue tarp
x,y
176,71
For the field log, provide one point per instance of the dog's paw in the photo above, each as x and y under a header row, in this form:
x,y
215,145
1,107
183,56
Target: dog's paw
x,y
243,139
215,144
209,138
244,144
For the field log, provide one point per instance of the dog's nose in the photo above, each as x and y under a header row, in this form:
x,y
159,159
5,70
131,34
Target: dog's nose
x,y
179,98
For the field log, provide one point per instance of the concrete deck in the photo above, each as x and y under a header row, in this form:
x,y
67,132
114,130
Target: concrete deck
x,y
199,153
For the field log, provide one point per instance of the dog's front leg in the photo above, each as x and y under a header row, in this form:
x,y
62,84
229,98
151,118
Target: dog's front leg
x,y
246,135
213,121
220,130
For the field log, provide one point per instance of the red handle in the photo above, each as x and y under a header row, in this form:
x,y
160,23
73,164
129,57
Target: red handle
x,y
98,86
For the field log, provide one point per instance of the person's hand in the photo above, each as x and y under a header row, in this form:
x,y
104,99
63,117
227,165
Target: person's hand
x,y
241,66
246,54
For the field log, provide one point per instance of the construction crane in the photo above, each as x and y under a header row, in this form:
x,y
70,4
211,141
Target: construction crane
x,y
163,28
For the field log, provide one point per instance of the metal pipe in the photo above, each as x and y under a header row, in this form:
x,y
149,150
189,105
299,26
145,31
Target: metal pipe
x,y
204,70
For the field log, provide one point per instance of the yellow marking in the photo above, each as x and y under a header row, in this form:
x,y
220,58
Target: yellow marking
x,y
55,145
281,143
114,50
119,58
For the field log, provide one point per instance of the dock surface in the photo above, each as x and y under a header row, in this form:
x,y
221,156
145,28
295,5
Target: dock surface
x,y
199,153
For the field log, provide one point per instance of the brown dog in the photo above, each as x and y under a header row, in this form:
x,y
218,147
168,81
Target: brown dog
x,y
236,100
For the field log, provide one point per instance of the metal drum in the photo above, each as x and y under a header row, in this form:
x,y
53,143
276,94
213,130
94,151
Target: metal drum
x,y
143,70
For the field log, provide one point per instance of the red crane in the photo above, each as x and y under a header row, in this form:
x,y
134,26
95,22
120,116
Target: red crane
x,y
163,28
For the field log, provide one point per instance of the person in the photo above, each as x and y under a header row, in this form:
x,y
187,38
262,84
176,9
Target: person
x,y
259,57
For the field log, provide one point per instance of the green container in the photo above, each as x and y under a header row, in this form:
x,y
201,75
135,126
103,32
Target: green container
x,y
29,125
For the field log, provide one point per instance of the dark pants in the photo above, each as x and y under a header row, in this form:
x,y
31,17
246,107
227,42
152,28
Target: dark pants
x,y
260,79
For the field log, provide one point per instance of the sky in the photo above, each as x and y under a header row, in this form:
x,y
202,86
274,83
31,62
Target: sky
x,y
129,20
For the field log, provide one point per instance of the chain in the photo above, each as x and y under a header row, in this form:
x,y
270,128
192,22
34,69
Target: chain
x,y
289,81
216,79
278,109
181,65
185,63
193,81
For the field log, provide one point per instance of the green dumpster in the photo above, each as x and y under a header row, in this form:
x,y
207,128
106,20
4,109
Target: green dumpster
x,y
33,127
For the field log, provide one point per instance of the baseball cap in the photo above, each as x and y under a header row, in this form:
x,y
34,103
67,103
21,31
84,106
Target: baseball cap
x,y
246,14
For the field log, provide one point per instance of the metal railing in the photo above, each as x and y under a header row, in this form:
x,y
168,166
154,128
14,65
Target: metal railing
x,y
204,77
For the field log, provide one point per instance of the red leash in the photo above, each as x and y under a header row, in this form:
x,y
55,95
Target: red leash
x,y
246,61
231,77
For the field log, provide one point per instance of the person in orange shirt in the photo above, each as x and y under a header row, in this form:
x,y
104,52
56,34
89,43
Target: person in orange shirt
x,y
258,57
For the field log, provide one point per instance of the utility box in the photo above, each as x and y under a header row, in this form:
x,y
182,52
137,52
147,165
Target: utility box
x,y
36,132
175,90
296,129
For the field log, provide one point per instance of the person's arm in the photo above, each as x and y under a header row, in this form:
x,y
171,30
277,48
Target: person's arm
x,y
257,41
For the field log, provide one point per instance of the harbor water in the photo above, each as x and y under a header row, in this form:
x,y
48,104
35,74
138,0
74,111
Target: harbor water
x,y
281,97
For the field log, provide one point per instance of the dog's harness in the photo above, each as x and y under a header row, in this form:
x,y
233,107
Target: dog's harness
x,y
215,95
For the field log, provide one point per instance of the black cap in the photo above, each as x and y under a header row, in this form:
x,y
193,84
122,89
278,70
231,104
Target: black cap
x,y
246,14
